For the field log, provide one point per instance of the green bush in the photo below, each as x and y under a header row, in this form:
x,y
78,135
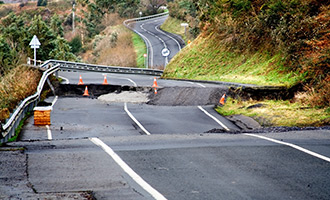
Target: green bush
x,y
76,44
42,3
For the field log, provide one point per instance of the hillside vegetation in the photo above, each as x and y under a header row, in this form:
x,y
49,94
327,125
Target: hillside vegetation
x,y
98,37
264,42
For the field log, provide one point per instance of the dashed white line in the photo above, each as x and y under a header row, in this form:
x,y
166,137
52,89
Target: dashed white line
x,y
291,145
157,29
153,192
135,120
214,118
49,133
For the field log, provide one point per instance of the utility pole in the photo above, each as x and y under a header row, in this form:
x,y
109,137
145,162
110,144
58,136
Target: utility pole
x,y
73,9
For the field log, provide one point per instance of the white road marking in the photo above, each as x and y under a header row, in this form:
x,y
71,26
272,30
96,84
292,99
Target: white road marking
x,y
54,101
214,118
197,84
201,85
149,43
119,77
153,192
157,29
291,145
65,79
135,120
49,133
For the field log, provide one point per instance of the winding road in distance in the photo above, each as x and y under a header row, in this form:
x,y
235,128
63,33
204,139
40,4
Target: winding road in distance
x,y
157,40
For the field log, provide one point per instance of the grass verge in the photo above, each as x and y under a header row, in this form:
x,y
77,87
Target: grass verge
x,y
173,25
277,113
140,50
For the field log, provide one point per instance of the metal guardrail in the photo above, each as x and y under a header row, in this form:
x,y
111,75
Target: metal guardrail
x,y
65,65
146,17
27,105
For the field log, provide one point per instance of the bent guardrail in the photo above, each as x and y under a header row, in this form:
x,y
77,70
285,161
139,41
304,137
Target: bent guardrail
x,y
27,105
66,65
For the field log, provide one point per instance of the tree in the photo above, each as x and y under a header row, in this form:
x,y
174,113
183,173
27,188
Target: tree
x,y
42,3
153,5
5,56
56,25
61,50
39,28
76,44
128,8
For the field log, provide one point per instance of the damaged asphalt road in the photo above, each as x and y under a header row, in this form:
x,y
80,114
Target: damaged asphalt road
x,y
182,158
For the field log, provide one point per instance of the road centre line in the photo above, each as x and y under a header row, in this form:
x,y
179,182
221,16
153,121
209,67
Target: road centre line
x,y
215,119
135,120
157,29
291,145
153,192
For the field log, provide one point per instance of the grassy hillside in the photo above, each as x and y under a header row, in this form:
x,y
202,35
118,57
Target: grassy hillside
x,y
266,42
208,59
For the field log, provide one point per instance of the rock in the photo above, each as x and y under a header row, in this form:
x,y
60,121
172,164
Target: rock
x,y
244,122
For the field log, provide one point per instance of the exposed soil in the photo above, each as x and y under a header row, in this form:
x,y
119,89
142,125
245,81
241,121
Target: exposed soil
x,y
125,96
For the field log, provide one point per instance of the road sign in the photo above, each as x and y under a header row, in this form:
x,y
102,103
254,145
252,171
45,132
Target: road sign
x,y
166,52
184,24
35,44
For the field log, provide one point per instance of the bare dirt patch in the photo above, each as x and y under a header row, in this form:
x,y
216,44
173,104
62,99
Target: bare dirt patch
x,y
126,96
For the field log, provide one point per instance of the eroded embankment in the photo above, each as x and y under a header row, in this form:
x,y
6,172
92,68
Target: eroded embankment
x,y
177,96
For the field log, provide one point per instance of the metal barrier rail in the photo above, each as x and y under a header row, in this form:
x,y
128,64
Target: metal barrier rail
x,y
146,17
65,65
27,105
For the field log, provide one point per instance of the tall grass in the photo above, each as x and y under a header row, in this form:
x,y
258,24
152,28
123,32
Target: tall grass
x,y
140,50
16,85
173,25
113,47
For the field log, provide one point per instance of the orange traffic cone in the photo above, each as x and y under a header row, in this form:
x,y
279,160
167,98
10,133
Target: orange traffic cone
x,y
155,90
155,83
105,81
80,81
86,92
223,99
